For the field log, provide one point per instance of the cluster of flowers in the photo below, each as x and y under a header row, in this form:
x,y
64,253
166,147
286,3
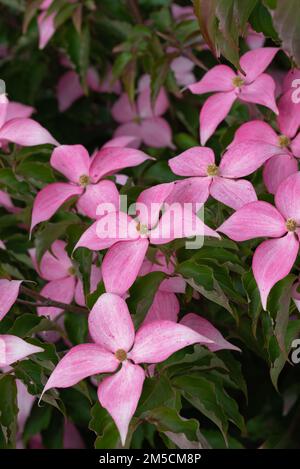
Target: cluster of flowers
x,y
116,348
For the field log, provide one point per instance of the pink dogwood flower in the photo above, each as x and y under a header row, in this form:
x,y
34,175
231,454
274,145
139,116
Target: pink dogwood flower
x,y
17,127
128,239
141,120
9,291
183,70
84,174
119,350
13,348
254,39
260,138
56,267
274,258
253,87
6,202
46,23
206,178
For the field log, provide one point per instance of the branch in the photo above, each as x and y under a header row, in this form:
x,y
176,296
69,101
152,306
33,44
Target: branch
x,y
43,301
135,11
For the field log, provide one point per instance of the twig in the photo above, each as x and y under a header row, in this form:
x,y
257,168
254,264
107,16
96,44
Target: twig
x,y
135,11
43,301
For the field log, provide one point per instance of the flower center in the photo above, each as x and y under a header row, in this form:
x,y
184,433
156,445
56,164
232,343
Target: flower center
x,y
143,229
291,225
121,355
84,180
212,170
238,81
283,141
71,271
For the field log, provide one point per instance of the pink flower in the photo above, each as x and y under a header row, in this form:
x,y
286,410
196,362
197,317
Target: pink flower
x,y
253,39
273,259
16,127
208,179
9,290
253,87
182,13
56,267
6,202
116,345
141,120
289,116
183,70
280,151
128,239
12,349
46,23
84,174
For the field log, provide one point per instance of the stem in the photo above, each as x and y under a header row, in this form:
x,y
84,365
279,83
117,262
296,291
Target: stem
x,y
43,301
135,11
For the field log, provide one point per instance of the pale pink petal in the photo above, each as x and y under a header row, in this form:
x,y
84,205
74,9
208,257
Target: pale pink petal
x,y
80,362
15,110
182,68
95,278
156,341
119,394
62,289
124,141
233,193
131,130
254,40
46,28
179,222
261,91
219,78
121,264
287,197
25,402
93,79
111,160
272,261
26,132
290,76
295,146
6,202
55,264
277,169
289,115
110,323
72,438
194,190
150,202
3,108
257,219
156,132
173,285
96,195
255,62
50,198
79,294
144,105
255,130
68,90
90,239
72,161
192,162
213,111
116,226
244,158
12,349
9,290
165,306
203,326
123,111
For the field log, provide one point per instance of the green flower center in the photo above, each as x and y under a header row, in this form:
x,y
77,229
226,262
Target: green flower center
x,y
121,355
283,141
84,180
291,225
212,170
143,229
71,271
238,82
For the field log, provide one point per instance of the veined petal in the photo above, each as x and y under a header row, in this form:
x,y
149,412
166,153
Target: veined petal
x,y
219,78
287,197
62,290
50,198
110,323
112,159
9,290
80,362
193,190
289,115
256,219
131,130
97,196
213,111
255,130
203,326
165,306
272,261
277,169
26,132
12,349
156,341
255,62
119,394
156,132
123,111
121,264
150,202
234,193
72,161
55,264
260,91
192,162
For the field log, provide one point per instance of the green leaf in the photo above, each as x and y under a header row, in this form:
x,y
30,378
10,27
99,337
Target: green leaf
x,y
286,20
8,410
105,429
254,302
38,420
76,325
